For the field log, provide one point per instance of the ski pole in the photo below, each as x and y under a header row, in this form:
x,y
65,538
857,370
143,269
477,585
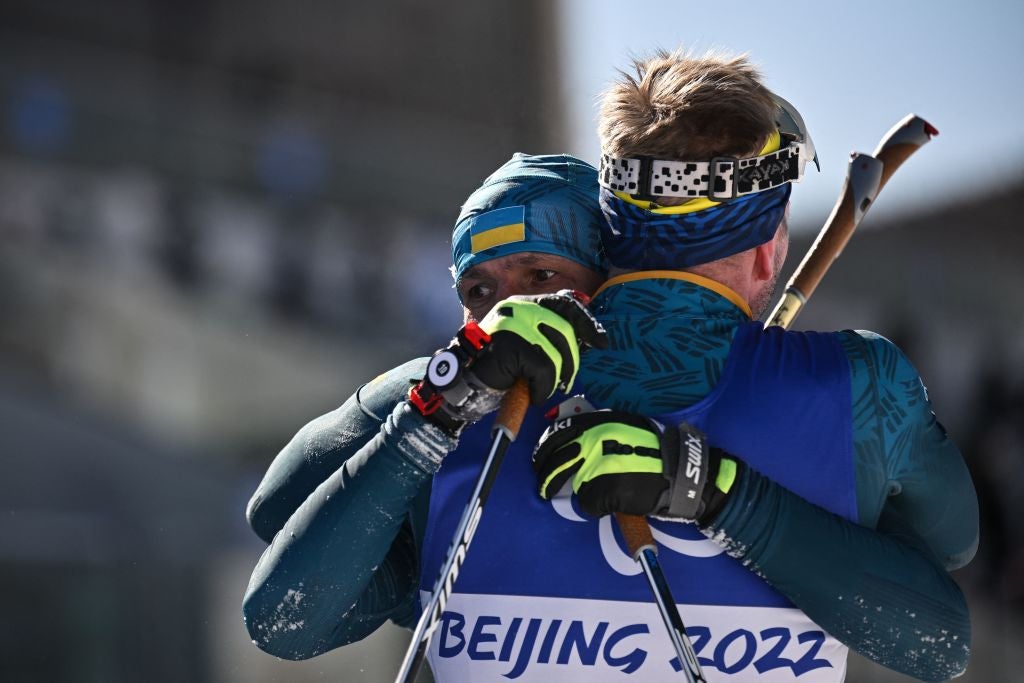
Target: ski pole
x,y
640,541
865,178
506,428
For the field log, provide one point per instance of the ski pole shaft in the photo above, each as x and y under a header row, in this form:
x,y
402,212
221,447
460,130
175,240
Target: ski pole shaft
x,y
865,178
506,428
640,542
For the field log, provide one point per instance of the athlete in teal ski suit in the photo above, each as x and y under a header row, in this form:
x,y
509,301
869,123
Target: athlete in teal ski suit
x,y
345,505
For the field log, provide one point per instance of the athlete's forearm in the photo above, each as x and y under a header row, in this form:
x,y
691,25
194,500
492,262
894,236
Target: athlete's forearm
x,y
882,593
344,562
309,459
321,446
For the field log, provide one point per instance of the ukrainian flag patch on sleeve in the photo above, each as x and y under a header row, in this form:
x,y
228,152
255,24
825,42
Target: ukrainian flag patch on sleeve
x,y
498,227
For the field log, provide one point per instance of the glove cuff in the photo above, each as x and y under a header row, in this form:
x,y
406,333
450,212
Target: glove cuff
x,y
684,453
700,477
727,470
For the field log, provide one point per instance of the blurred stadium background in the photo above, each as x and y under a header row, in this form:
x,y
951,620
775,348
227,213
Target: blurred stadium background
x,y
217,219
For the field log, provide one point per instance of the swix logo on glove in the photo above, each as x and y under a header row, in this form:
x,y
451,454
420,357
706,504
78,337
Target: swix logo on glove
x,y
694,458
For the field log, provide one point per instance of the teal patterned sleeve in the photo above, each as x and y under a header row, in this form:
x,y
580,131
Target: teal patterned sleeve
x,y
880,592
907,466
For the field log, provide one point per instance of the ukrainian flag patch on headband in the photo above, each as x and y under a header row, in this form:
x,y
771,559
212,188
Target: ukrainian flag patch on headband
x,y
498,227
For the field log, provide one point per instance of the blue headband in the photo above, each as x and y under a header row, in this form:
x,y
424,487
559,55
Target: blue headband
x,y
545,204
637,239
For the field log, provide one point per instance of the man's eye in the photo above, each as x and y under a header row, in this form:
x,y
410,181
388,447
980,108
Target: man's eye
x,y
478,292
543,274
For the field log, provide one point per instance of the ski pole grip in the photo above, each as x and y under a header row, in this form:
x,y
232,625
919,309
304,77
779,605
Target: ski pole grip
x,y
866,177
902,140
859,190
513,409
636,532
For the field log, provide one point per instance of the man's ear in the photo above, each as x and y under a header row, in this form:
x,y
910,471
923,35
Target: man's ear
x,y
764,261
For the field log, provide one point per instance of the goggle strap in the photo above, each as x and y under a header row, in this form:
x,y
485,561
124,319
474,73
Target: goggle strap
x,y
720,179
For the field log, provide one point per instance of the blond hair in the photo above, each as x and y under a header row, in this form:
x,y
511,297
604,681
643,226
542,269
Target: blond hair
x,y
687,108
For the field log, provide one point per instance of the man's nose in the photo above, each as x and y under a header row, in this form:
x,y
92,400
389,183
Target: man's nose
x,y
505,289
